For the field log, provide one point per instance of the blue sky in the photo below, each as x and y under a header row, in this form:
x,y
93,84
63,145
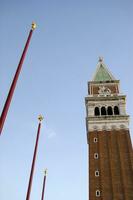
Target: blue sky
x,y
62,57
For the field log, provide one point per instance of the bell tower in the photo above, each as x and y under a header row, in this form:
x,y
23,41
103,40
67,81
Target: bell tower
x,y
108,137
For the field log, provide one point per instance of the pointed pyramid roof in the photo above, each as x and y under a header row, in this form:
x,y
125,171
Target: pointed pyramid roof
x,y
102,73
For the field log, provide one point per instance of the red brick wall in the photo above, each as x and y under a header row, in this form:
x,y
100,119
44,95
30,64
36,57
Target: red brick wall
x,y
115,164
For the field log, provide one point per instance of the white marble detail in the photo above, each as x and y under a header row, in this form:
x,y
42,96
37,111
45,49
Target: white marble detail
x,y
104,91
119,103
107,125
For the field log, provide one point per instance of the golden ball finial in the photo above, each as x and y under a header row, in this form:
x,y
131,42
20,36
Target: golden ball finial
x,y
40,118
33,26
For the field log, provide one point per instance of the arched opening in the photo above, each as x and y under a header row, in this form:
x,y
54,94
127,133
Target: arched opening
x,y
116,110
96,155
96,173
95,139
97,193
103,111
110,111
97,111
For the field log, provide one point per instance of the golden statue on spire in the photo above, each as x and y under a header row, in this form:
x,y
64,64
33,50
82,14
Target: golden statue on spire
x,y
100,59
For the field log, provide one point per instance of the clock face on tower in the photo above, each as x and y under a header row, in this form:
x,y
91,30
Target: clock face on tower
x,y
104,91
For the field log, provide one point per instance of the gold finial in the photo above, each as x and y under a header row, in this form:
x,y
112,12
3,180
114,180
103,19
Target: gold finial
x,y
45,172
40,118
100,59
33,26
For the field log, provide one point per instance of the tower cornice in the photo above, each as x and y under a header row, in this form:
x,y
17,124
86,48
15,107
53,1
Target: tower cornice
x,y
104,82
107,123
107,117
107,98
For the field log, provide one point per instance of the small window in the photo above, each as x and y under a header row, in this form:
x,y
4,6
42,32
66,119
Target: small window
x,y
97,112
96,173
96,155
103,111
97,193
95,140
116,110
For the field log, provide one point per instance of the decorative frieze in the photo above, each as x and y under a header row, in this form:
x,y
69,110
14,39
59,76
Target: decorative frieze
x,y
107,125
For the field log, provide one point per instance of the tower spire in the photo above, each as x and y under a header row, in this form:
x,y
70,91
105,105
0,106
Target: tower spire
x,y
102,73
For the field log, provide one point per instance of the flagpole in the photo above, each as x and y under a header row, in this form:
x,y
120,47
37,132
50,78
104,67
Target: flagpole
x,y
44,183
14,82
40,118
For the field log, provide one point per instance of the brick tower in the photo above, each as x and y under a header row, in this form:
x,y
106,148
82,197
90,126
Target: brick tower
x,y
108,137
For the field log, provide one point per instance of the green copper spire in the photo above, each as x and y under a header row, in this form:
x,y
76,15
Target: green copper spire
x,y
102,73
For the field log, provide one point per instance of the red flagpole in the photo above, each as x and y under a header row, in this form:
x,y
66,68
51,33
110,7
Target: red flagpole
x,y
14,82
44,183
34,159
